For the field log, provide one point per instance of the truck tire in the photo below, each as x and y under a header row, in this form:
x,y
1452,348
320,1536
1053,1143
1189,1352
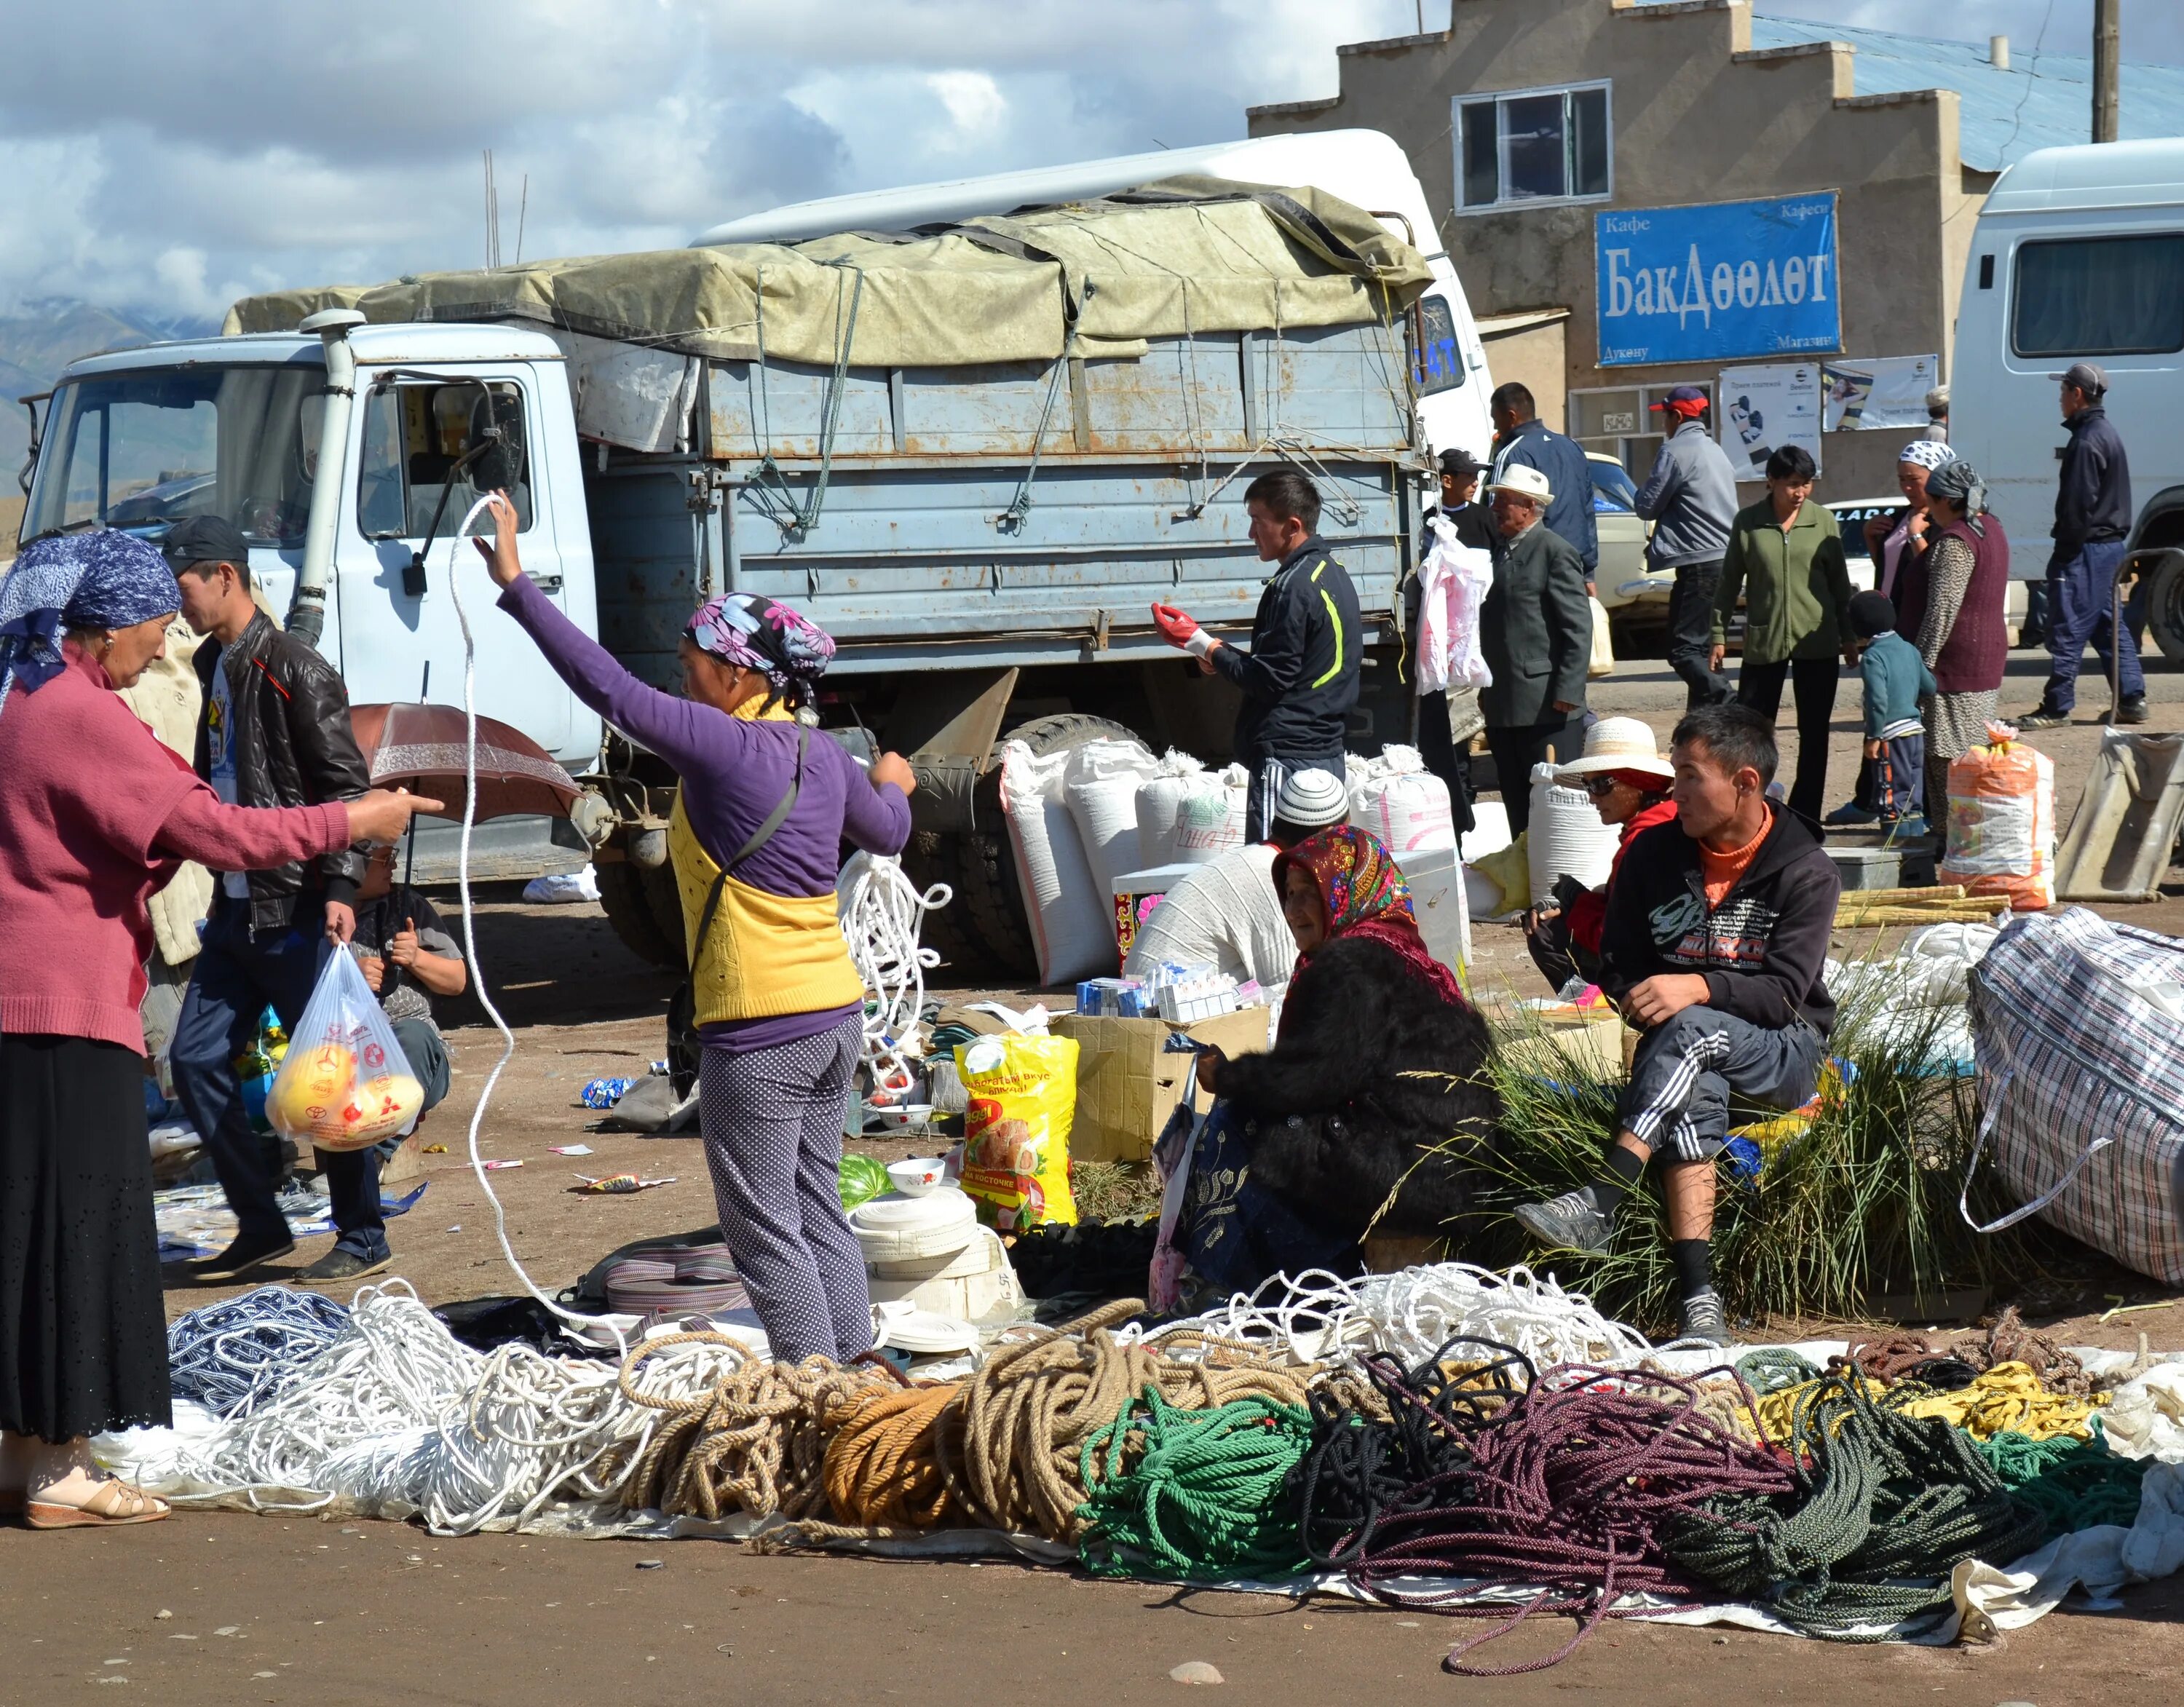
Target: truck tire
x,y
2164,610
930,859
622,893
991,899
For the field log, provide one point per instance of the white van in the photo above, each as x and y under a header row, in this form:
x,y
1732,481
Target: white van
x,y
2078,256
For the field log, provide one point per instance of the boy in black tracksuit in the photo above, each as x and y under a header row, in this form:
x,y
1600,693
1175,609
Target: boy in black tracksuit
x,y
1300,678
1715,944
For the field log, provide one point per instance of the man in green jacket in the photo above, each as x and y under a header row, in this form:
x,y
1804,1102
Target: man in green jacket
x,y
1785,558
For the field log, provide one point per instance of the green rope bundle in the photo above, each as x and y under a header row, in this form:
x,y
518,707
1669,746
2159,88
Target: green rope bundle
x,y
1193,1494
1885,1506
2072,1483
1772,1369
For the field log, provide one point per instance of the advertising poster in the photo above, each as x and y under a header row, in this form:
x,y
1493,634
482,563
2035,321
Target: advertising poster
x,y
1879,391
1722,280
1764,408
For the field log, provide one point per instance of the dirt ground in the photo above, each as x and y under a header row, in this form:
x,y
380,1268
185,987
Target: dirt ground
x,y
409,1619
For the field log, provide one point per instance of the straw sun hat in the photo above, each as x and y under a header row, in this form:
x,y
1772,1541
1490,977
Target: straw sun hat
x,y
1621,744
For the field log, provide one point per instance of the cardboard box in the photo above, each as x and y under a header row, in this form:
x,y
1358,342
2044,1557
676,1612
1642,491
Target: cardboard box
x,y
1128,1082
1552,1043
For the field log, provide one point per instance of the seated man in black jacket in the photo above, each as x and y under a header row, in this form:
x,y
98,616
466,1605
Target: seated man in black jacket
x,y
1716,938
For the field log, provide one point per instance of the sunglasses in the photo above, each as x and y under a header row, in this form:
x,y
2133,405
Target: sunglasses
x,y
1599,786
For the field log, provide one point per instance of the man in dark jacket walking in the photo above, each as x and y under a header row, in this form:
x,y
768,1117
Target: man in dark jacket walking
x,y
1522,440
1300,678
1715,945
1535,634
275,731
1691,499
2093,523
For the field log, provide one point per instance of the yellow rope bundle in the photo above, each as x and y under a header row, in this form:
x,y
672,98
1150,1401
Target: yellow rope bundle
x,y
2010,1397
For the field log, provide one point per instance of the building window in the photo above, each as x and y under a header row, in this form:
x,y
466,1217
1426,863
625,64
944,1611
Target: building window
x,y
2100,297
1532,146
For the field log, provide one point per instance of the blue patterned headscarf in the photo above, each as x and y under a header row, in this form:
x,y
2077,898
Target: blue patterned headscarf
x,y
103,579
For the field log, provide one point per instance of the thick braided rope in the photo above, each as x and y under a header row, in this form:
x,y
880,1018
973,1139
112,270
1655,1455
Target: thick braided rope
x,y
880,1469
2073,1484
233,1355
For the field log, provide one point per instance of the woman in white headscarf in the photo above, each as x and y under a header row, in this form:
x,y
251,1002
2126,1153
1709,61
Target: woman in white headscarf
x,y
1953,612
1898,543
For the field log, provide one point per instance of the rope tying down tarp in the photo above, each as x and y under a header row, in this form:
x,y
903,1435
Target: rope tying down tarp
x,y
2073,1484
1012,1444
1193,1494
1576,1484
397,1417
743,1435
768,486
1883,1507
230,1356
1414,1312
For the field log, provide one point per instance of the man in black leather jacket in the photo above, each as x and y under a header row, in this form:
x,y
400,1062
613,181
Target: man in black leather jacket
x,y
275,731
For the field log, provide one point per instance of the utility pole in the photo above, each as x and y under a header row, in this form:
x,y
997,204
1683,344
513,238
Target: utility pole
x,y
2107,61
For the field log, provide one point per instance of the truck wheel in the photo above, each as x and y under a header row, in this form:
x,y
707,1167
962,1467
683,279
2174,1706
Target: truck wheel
x,y
987,891
629,911
930,859
2165,611
665,895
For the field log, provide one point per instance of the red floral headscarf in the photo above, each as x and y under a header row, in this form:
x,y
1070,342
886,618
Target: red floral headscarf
x,y
1365,895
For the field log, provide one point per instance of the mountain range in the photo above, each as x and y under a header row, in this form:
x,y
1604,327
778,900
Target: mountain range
x,y
40,338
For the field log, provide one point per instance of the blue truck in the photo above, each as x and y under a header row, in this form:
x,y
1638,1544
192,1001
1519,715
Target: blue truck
x,y
978,497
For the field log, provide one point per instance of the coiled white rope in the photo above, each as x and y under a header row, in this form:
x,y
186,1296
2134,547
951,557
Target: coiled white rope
x,y
470,937
1317,1317
882,914
233,1355
397,1418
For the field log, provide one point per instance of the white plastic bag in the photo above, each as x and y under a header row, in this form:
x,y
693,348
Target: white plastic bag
x,y
1100,784
345,1084
1453,582
1072,920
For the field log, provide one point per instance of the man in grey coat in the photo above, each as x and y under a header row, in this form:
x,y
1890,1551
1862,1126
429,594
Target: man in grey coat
x,y
1535,633
1691,499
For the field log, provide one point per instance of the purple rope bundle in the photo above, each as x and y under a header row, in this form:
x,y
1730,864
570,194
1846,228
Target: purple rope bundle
x,y
1576,1484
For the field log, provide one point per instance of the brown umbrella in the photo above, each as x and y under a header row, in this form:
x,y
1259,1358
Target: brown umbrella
x,y
425,747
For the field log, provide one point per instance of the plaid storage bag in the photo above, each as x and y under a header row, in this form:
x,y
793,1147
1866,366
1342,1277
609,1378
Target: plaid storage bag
x,y
2078,1028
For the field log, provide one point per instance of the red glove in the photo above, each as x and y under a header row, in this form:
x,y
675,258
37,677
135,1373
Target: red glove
x,y
1179,628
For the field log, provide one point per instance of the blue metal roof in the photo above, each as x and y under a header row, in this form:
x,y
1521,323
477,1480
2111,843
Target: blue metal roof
x,y
2042,100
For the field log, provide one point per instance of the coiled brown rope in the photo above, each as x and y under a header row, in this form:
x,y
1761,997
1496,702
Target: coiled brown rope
x,y
881,1471
1011,1443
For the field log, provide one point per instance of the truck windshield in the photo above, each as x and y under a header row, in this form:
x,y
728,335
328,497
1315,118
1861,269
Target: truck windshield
x,y
142,450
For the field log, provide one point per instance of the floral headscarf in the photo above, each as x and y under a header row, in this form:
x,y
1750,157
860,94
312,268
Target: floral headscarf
x,y
1929,453
1365,895
102,579
788,648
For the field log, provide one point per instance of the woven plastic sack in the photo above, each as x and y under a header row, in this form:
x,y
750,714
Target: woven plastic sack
x,y
2081,1060
1016,1150
2001,822
1566,837
1403,802
1069,913
1160,806
344,1083
1100,784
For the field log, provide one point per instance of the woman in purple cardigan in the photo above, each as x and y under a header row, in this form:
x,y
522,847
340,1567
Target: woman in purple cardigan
x,y
97,816
765,805
1954,610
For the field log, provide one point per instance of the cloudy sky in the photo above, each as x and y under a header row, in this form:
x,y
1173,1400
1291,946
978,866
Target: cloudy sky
x,y
171,157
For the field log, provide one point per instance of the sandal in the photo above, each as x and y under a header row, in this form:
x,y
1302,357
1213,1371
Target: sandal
x,y
113,1504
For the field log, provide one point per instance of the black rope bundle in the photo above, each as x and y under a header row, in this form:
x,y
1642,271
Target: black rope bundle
x,y
1574,1484
1884,1506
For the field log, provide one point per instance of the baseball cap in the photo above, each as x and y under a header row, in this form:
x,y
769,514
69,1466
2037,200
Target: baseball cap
x,y
205,539
2089,377
1683,400
1459,463
1312,799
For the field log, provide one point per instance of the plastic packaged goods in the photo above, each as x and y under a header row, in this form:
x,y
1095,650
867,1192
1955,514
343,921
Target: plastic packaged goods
x,y
344,1083
1403,802
1069,914
1099,785
1565,838
1022,1094
2001,822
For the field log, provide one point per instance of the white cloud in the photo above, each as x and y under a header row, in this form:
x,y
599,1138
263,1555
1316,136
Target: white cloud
x,y
974,102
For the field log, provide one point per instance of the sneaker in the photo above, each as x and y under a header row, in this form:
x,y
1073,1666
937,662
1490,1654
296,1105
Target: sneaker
x,y
2044,718
337,1265
242,1256
2132,710
1567,1223
1704,1318
1852,813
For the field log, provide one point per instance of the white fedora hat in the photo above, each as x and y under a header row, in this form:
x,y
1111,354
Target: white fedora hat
x,y
1525,482
1618,744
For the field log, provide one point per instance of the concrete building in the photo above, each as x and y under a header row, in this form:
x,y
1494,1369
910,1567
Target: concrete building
x,y
1557,139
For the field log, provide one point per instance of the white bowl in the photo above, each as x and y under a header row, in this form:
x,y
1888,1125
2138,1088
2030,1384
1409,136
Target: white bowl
x,y
916,1176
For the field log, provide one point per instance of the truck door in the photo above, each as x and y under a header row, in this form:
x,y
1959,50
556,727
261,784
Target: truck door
x,y
400,641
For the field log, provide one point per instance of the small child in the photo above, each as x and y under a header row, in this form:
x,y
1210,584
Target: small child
x,y
1895,680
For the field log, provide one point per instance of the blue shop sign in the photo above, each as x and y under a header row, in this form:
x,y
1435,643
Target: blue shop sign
x,y
1726,279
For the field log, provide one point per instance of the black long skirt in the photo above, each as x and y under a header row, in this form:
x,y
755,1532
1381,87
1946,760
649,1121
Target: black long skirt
x,y
83,1337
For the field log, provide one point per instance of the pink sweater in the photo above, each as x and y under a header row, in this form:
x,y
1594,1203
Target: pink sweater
x,y
95,816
